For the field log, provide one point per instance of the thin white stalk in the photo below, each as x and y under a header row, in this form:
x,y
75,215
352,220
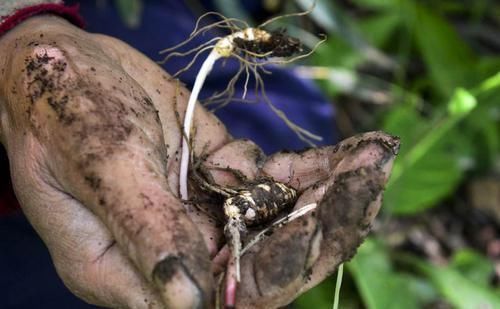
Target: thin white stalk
x,y
340,273
288,218
205,69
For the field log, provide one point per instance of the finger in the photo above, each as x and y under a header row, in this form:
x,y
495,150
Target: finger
x,y
170,97
219,262
349,207
230,165
107,150
85,254
275,273
210,133
272,271
301,170
234,162
346,213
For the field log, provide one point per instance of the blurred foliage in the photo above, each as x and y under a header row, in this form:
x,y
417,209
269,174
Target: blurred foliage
x,y
381,286
439,144
460,290
130,11
433,84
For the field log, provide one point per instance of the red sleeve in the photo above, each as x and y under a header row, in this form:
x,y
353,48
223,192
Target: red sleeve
x,y
14,18
12,14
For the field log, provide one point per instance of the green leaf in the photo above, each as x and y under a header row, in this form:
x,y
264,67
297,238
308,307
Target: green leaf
x,y
425,183
488,67
483,127
381,287
429,165
448,58
378,29
416,186
336,21
130,11
457,288
490,84
472,266
462,103
320,297
424,186
376,4
336,52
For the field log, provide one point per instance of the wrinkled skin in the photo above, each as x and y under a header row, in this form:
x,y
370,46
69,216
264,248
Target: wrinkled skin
x,y
90,128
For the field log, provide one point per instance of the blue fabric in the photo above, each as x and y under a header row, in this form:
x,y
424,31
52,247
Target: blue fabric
x,y
27,276
166,23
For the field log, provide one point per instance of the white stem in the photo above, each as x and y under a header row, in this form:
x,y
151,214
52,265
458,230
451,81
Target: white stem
x,y
288,218
205,69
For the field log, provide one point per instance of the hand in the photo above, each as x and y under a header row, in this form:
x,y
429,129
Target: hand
x,y
91,130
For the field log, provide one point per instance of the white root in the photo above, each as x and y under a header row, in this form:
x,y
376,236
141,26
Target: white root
x,y
250,62
190,64
278,223
234,236
225,48
205,69
192,50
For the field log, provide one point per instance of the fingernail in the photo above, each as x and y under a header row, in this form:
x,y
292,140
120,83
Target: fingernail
x,y
387,162
178,287
393,143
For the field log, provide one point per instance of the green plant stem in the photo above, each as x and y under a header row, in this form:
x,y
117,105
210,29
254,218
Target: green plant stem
x,y
338,283
423,146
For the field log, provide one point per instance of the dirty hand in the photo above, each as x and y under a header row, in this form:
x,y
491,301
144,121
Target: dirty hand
x,y
91,130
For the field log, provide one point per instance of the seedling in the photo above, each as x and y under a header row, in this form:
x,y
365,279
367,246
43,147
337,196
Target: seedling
x,y
254,203
259,201
254,48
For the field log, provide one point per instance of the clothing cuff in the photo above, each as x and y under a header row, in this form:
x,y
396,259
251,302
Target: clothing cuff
x,y
15,11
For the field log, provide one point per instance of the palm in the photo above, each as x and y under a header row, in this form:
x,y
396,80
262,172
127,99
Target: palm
x,y
346,182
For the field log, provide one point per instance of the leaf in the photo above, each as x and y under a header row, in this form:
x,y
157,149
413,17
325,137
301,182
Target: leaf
x,y
336,21
458,290
462,103
319,297
489,67
381,287
483,128
472,266
335,52
490,84
130,11
429,166
448,58
417,186
378,29
322,295
424,184
376,4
